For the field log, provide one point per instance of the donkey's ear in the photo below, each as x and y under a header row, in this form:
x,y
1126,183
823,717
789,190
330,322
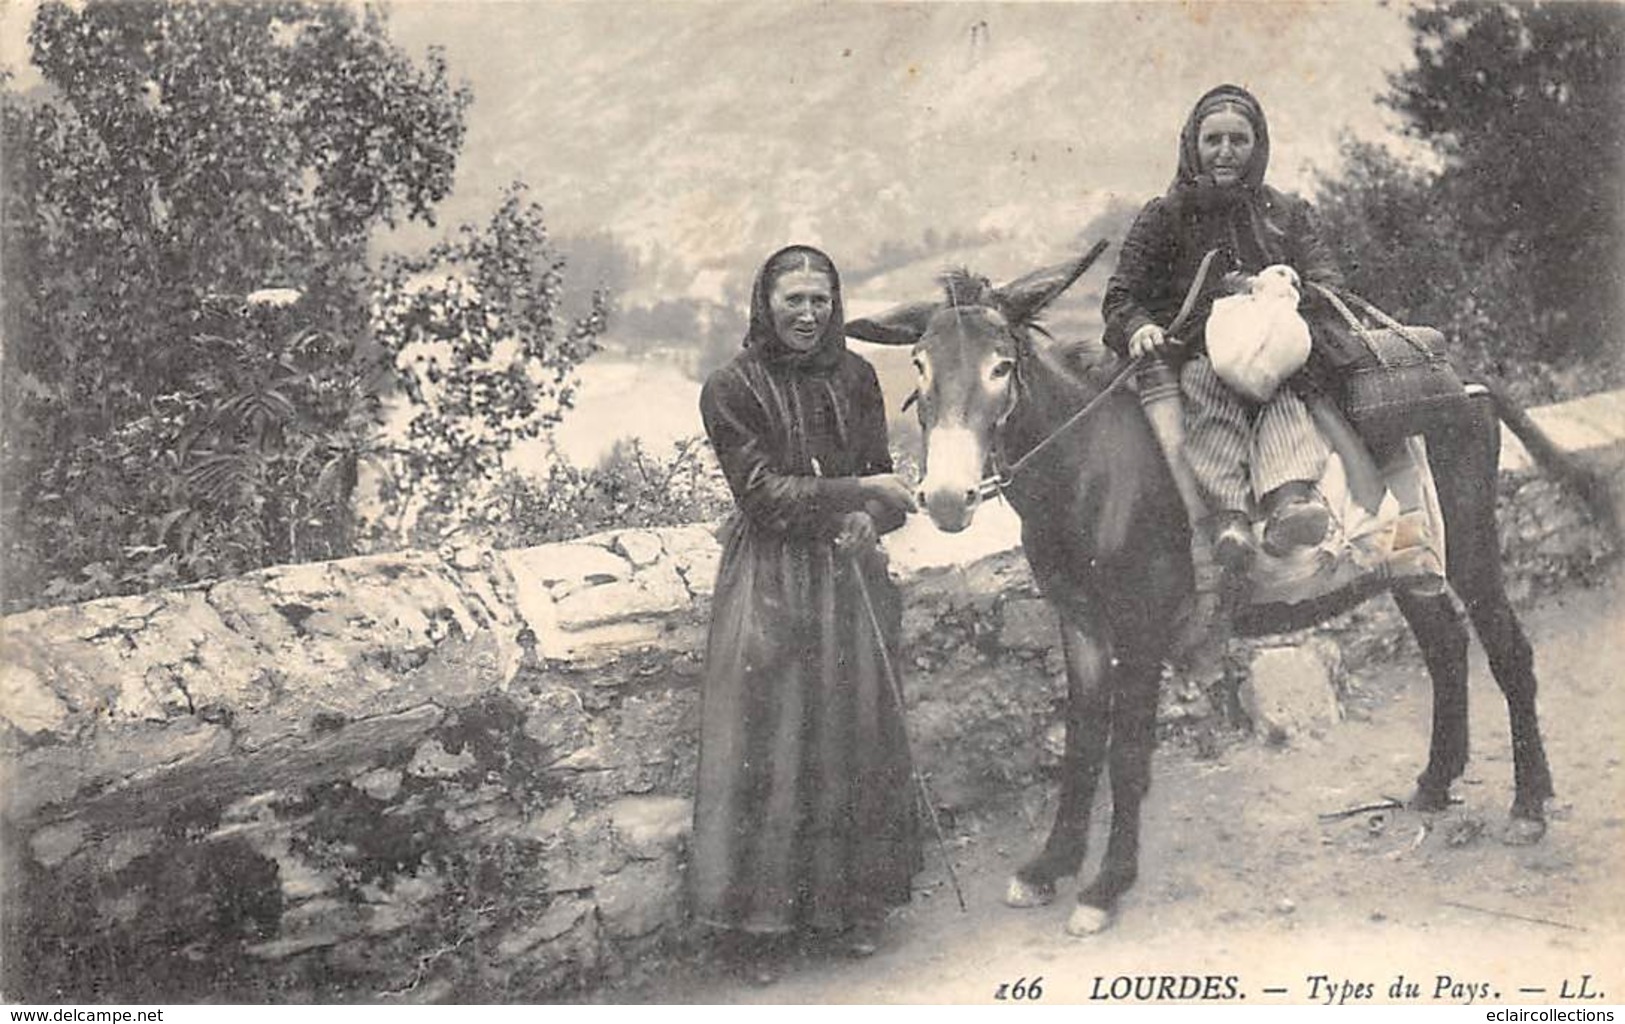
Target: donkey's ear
x,y
900,325
1023,298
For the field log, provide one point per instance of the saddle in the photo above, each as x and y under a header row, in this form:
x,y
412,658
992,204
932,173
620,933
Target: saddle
x,y
1387,526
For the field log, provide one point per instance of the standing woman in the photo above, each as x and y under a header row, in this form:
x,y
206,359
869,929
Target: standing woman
x,y
804,818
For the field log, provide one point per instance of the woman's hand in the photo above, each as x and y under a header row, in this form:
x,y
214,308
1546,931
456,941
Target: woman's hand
x,y
857,532
1149,340
889,490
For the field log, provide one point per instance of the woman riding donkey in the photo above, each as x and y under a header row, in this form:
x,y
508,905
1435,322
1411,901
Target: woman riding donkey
x,y
1100,524
1239,457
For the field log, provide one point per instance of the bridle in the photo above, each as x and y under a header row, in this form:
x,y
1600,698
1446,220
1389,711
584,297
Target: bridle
x,y
1003,476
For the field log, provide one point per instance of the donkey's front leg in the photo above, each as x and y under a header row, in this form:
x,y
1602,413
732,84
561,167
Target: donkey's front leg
x,y
1133,716
1087,729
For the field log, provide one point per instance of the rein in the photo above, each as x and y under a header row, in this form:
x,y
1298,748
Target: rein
x,y
992,485
998,481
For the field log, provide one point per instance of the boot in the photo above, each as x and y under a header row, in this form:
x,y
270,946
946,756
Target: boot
x,y
1297,519
1233,545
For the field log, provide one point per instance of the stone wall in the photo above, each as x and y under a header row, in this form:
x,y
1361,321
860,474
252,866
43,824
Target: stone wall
x,y
418,777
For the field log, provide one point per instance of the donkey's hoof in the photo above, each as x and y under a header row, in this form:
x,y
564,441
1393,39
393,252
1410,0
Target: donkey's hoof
x,y
1086,920
1523,831
1025,894
1429,800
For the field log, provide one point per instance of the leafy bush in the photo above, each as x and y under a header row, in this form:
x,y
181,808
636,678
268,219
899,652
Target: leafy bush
x,y
251,462
629,487
159,426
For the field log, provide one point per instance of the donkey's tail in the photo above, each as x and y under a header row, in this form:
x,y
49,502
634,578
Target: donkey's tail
x,y
1592,487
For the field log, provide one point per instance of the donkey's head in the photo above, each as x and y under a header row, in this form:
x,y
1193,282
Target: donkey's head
x,y
969,348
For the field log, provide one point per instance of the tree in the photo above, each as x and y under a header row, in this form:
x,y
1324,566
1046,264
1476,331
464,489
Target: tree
x,y
1403,244
184,157
473,330
1525,103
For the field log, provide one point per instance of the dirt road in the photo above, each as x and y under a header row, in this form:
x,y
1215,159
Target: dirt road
x,y
1241,879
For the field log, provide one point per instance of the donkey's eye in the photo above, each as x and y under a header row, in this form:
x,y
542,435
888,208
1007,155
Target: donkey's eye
x,y
919,366
1002,369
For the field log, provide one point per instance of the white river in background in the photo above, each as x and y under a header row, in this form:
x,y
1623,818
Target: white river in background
x,y
651,400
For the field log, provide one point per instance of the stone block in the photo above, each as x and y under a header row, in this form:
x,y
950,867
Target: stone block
x,y
300,881
321,755
651,827
432,761
640,547
1290,693
27,703
548,826
490,590
255,819
919,620
1589,427
147,658
135,773
584,854
563,914
646,730
556,719
55,843
379,783
404,903
108,762
640,898
1055,740
597,646
362,635
654,591
695,554
567,565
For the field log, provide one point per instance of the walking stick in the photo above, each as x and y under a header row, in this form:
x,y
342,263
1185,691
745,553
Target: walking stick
x,y
897,697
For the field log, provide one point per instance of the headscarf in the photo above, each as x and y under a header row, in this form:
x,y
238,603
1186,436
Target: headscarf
x,y
1194,192
763,339
1190,162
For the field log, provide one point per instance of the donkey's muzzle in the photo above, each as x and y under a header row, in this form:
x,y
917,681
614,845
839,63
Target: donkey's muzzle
x,y
952,510
951,489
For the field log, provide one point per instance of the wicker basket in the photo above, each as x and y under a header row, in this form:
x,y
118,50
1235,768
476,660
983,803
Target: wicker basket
x,y
1406,386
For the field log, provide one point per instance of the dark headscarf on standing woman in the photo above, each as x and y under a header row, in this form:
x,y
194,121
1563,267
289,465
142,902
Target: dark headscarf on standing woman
x,y
763,338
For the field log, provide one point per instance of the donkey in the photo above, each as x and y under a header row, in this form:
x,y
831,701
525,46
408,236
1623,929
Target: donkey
x,y
1107,538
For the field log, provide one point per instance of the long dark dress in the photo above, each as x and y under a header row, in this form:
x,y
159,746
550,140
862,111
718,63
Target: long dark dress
x,y
804,811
